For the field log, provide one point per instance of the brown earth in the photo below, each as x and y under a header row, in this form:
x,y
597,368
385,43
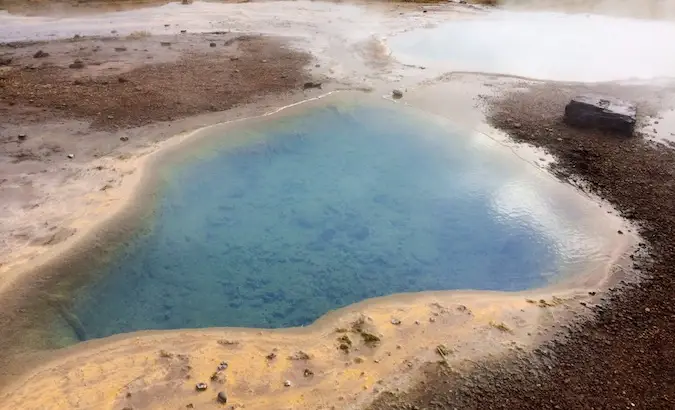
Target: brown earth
x,y
129,82
625,357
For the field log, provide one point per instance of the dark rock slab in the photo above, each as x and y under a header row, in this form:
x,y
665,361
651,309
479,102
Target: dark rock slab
x,y
602,112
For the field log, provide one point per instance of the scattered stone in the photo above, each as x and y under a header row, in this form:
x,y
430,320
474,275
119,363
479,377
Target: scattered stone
x,y
110,117
287,383
602,112
234,58
222,397
167,25
308,373
369,338
201,386
124,139
120,49
395,322
271,356
647,310
165,43
432,320
183,31
620,232
122,80
22,137
310,84
113,31
592,293
40,54
222,366
77,64
70,156
299,355
417,322
397,94
212,44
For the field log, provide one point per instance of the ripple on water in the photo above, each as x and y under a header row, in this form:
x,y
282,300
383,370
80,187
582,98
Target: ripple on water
x,y
329,207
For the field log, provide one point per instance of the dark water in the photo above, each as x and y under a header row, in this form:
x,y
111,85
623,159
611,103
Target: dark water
x,y
329,208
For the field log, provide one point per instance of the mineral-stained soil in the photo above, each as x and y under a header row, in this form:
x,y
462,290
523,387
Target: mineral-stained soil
x,y
625,357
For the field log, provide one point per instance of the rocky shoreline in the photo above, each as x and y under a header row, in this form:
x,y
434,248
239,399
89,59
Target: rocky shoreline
x,y
623,357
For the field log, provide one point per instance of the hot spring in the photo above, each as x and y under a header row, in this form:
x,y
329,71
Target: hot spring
x,y
278,221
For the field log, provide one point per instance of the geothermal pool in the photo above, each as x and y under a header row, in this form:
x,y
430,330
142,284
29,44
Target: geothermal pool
x,y
547,46
275,223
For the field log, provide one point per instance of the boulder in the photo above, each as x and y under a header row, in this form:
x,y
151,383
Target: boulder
x,y
602,112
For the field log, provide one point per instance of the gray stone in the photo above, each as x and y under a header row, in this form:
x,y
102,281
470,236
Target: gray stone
x,y
311,84
222,397
602,112
40,54
201,386
77,64
397,94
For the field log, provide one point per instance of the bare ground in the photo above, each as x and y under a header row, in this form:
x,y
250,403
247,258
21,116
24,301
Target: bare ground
x,y
625,357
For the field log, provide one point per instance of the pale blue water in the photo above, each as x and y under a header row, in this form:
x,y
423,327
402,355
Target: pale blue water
x,y
327,209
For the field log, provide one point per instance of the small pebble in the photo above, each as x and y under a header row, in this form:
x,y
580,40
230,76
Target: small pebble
x,y
287,383
22,137
212,44
222,366
201,386
71,156
395,322
222,397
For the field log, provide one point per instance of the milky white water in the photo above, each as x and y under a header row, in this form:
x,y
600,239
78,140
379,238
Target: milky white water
x,y
543,45
550,46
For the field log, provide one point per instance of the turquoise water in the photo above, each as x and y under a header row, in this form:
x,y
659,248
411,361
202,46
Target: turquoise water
x,y
316,212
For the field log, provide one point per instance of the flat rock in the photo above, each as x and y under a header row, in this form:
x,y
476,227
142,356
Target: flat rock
x,y
602,112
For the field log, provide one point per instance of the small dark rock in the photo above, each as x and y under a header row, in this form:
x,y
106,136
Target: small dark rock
x,y
165,43
122,80
40,54
77,64
397,94
222,366
222,397
120,49
308,373
183,31
310,84
212,44
271,356
201,386
124,139
22,137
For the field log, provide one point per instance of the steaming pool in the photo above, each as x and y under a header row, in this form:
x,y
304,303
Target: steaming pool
x,y
277,222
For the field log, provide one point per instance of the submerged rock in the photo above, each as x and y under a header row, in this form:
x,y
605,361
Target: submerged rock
x,y
602,112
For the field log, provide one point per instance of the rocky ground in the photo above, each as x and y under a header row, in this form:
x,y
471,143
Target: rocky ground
x,y
624,358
